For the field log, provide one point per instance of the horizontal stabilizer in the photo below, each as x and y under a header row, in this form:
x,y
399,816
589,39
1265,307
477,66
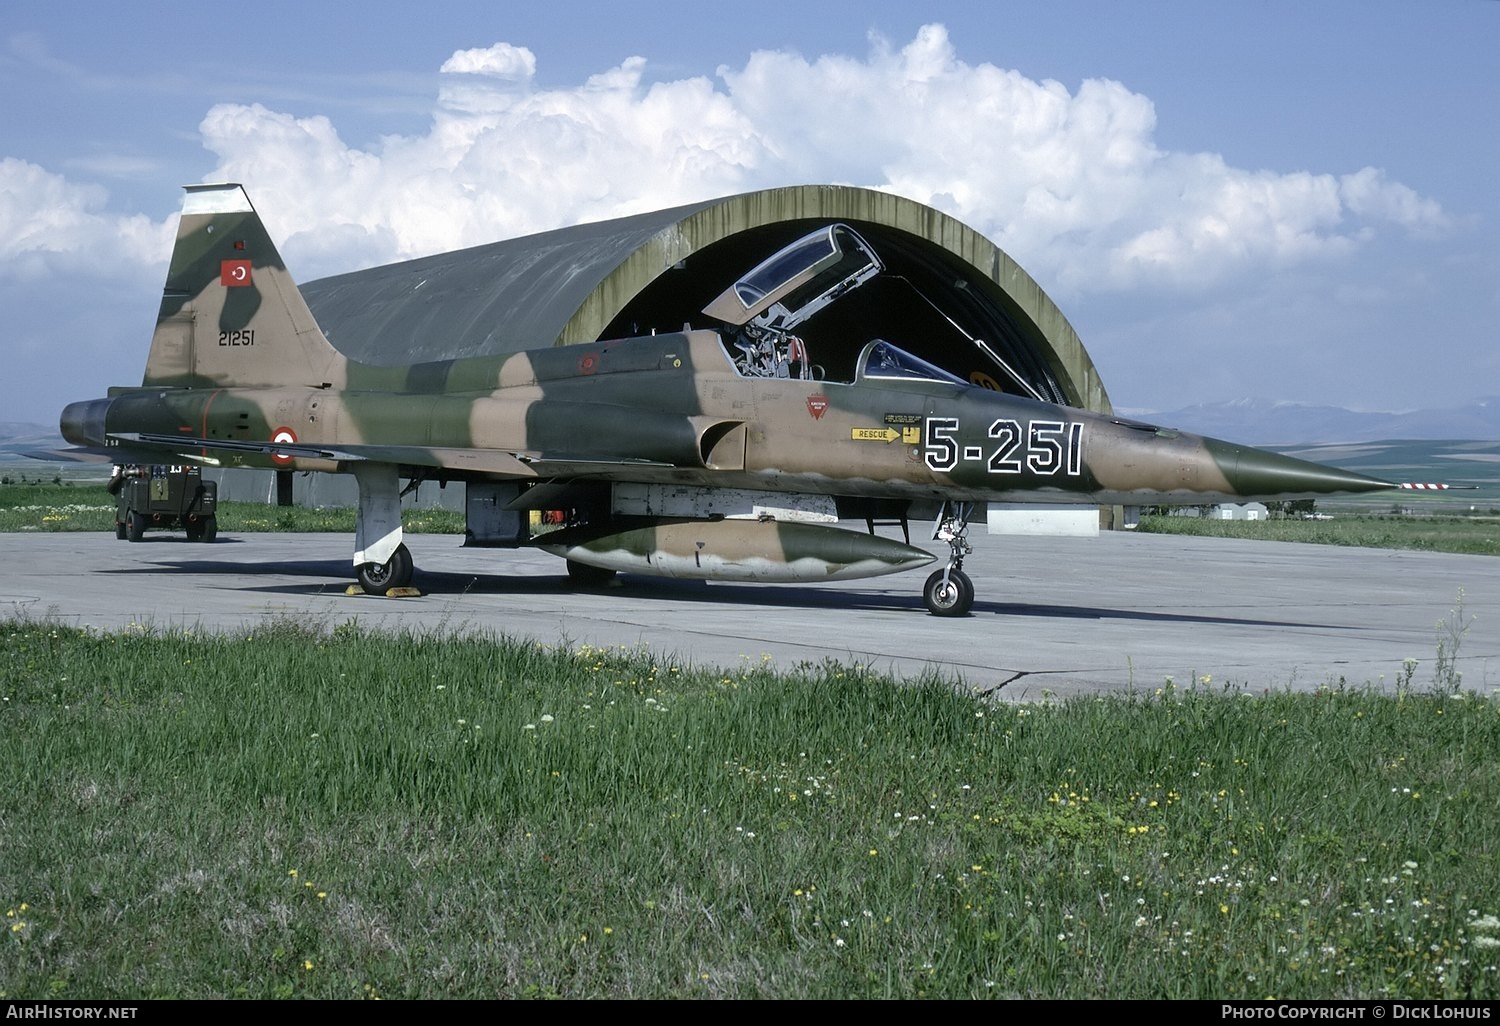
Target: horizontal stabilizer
x,y
76,454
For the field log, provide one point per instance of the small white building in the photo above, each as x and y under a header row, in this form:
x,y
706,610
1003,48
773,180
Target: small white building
x,y
1239,511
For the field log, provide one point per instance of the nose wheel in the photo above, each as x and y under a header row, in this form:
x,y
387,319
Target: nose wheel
x,y
949,592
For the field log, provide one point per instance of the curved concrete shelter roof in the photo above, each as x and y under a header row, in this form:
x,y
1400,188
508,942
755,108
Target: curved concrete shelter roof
x,y
944,287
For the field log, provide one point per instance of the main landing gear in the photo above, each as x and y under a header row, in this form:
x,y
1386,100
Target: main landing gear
x,y
377,530
379,578
949,592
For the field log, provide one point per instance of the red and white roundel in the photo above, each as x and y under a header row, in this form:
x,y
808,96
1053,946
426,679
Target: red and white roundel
x,y
285,436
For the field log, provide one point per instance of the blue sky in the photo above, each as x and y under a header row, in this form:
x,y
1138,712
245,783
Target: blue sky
x,y
1285,200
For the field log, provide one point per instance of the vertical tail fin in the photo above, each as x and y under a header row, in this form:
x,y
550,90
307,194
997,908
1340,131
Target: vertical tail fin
x,y
231,315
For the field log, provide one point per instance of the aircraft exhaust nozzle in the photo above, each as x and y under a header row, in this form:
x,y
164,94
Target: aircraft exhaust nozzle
x,y
82,423
736,550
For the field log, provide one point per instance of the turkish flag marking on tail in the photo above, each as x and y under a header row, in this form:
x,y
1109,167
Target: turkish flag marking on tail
x,y
233,273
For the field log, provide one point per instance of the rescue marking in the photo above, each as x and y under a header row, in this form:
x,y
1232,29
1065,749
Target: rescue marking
x,y
1044,447
909,434
817,405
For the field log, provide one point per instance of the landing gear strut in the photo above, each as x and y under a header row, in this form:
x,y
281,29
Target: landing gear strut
x,y
381,561
949,592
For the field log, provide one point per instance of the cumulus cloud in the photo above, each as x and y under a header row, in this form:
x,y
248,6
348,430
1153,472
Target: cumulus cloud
x,y
1071,183
1368,194
500,61
49,225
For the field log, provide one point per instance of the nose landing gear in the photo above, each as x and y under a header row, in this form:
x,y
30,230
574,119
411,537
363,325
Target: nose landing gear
x,y
949,592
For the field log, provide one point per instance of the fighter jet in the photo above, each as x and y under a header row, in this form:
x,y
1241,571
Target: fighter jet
x,y
714,453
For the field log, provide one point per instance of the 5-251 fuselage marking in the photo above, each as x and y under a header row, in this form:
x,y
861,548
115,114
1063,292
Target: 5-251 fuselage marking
x,y
1043,447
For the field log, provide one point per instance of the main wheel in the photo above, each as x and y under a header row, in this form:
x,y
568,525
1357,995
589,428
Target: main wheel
x,y
953,597
586,576
135,526
379,578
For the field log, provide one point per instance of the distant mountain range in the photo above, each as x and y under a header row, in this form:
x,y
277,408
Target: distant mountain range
x,y
13,433
1268,422
16,438
1264,422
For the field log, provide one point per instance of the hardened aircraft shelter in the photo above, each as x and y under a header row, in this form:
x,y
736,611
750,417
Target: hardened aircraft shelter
x,y
946,293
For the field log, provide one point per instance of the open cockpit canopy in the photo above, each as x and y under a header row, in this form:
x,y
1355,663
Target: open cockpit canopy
x,y
798,280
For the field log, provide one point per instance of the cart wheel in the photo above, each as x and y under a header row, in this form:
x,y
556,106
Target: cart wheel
x,y
119,530
135,526
210,529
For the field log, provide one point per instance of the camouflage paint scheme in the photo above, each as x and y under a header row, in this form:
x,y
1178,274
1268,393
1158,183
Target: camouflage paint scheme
x,y
240,375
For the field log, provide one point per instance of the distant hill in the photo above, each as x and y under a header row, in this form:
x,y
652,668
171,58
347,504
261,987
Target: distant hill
x,y
1272,423
15,433
17,438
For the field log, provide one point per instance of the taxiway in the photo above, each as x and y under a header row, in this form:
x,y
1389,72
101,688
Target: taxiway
x,y
1052,617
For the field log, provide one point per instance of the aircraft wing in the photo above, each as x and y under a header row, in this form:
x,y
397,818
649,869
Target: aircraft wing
x,y
482,461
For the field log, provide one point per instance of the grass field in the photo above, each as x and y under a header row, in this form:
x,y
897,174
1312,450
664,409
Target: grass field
x,y
1475,536
79,506
303,812
332,814
44,506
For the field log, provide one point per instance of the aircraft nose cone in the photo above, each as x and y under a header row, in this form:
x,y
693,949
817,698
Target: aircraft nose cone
x,y
1257,473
